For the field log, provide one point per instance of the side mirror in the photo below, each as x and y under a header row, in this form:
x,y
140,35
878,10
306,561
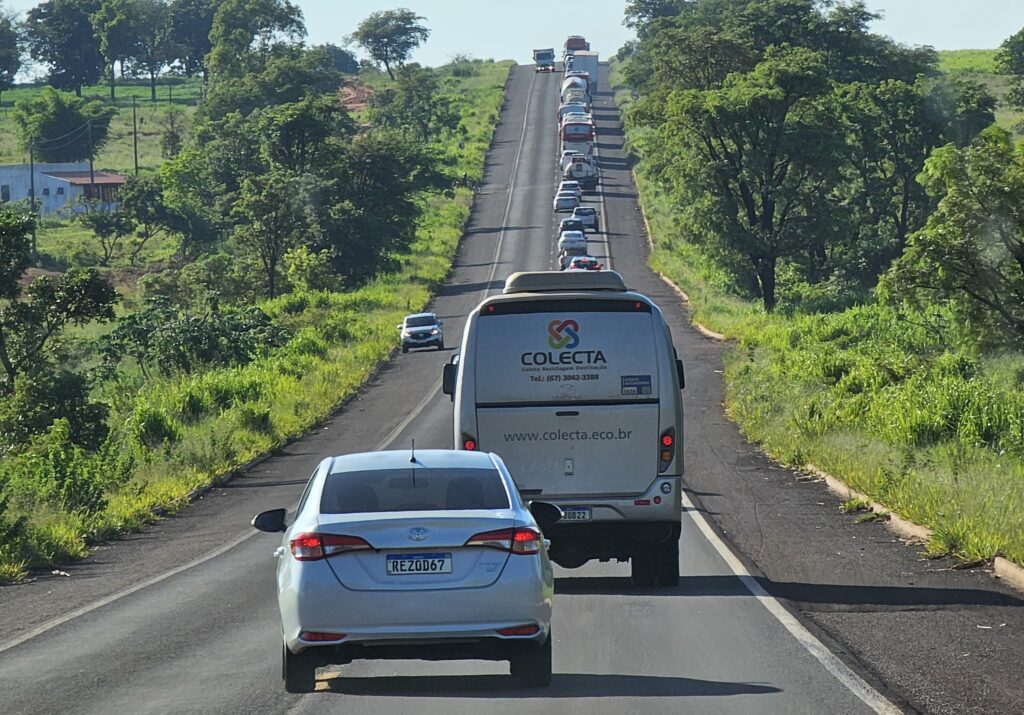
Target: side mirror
x,y
272,520
440,322
546,513
450,372
679,371
399,326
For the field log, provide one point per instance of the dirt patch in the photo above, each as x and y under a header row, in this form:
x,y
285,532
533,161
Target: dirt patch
x,y
32,273
355,95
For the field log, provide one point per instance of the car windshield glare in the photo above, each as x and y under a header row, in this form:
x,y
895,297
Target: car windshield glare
x,y
413,489
420,321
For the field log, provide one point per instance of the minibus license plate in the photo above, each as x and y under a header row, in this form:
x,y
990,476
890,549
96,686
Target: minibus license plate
x,y
403,564
576,513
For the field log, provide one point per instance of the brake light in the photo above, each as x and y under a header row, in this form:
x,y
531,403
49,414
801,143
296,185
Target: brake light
x,y
522,540
468,442
666,451
313,546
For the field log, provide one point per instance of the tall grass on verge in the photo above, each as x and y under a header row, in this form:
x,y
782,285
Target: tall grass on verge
x,y
172,435
909,413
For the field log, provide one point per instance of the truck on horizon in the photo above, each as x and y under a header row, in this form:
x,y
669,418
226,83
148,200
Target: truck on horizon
x,y
544,59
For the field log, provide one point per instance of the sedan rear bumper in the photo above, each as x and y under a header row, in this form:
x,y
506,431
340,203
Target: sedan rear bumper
x,y
315,601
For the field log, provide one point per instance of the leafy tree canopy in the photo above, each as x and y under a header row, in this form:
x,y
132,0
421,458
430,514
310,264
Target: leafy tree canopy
x,y
972,247
60,35
390,36
57,124
245,32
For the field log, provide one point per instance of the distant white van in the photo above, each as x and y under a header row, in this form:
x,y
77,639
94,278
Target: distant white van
x,y
573,380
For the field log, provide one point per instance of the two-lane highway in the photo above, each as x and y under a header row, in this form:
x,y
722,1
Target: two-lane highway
x,y
202,635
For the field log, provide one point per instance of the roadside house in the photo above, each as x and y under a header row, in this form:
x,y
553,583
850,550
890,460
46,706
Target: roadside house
x,y
57,185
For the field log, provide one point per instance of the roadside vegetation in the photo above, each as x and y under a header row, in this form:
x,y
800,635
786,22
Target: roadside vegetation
x,y
851,218
245,286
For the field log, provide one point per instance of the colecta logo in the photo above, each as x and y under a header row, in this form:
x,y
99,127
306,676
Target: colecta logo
x,y
563,334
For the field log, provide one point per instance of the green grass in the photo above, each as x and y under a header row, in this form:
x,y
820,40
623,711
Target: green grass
x,y
117,154
933,432
968,61
215,421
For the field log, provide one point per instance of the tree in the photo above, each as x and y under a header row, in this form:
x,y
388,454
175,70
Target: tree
x,y
765,149
972,246
245,32
416,103
188,183
365,210
1010,60
10,54
270,217
153,49
59,125
390,36
191,22
60,35
288,76
109,227
141,202
639,14
343,60
115,26
29,321
298,136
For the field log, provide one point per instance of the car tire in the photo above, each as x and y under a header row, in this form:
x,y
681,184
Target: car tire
x,y
666,557
532,668
642,566
298,671
440,345
405,349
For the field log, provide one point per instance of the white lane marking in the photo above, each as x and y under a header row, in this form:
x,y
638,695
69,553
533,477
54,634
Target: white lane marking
x,y
842,672
248,534
511,187
43,628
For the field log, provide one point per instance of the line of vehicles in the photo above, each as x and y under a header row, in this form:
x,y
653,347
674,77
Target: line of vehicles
x,y
568,447
577,164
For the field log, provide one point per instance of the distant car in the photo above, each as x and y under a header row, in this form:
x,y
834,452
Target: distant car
x,y
566,201
572,239
584,263
421,330
570,224
427,554
571,185
588,215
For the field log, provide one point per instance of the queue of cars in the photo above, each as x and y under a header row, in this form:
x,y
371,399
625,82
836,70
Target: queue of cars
x,y
577,163
444,554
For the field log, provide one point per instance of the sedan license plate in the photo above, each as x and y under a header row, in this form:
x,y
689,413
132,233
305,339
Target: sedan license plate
x,y
576,513
403,564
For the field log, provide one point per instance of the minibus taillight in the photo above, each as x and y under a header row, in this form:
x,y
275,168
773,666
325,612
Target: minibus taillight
x,y
666,449
468,442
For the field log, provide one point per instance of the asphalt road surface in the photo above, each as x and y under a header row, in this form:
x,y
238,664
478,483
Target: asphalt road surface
x,y
182,618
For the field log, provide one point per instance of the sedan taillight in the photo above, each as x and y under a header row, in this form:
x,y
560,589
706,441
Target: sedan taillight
x,y
521,540
313,546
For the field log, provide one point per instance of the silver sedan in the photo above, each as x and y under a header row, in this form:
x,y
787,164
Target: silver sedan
x,y
426,554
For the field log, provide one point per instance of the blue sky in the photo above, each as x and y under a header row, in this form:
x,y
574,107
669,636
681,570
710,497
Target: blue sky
x,y
509,29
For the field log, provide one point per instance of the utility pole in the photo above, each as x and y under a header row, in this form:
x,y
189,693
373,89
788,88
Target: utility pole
x,y
135,136
32,193
92,173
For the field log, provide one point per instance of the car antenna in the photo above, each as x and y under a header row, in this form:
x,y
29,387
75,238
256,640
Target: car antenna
x,y
412,459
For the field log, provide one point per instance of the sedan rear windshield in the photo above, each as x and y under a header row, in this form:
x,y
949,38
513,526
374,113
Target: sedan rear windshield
x,y
384,490
419,322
